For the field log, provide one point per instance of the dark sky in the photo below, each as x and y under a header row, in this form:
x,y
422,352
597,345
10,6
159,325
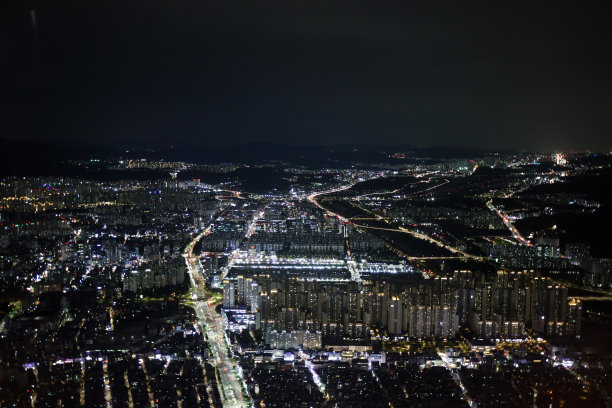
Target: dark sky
x,y
496,74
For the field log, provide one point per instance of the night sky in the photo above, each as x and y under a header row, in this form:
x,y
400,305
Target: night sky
x,y
495,74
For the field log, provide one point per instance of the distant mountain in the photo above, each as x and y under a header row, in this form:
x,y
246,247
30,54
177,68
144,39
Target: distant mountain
x,y
31,158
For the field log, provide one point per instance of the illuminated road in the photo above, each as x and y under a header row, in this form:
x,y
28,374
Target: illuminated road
x,y
455,375
230,383
597,298
313,198
401,230
508,223
359,197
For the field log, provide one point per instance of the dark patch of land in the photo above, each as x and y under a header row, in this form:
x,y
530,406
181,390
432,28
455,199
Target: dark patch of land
x,y
402,241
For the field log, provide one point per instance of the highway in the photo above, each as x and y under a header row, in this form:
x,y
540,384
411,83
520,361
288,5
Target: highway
x,y
230,383
515,233
313,198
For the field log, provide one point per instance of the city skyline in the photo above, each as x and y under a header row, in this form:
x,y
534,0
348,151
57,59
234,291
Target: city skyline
x,y
401,280
241,204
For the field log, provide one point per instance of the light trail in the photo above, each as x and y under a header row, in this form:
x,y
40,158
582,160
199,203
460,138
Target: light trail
x,y
515,233
596,298
313,198
231,386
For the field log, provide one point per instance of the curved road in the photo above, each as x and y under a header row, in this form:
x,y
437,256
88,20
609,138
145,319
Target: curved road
x,y
313,198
